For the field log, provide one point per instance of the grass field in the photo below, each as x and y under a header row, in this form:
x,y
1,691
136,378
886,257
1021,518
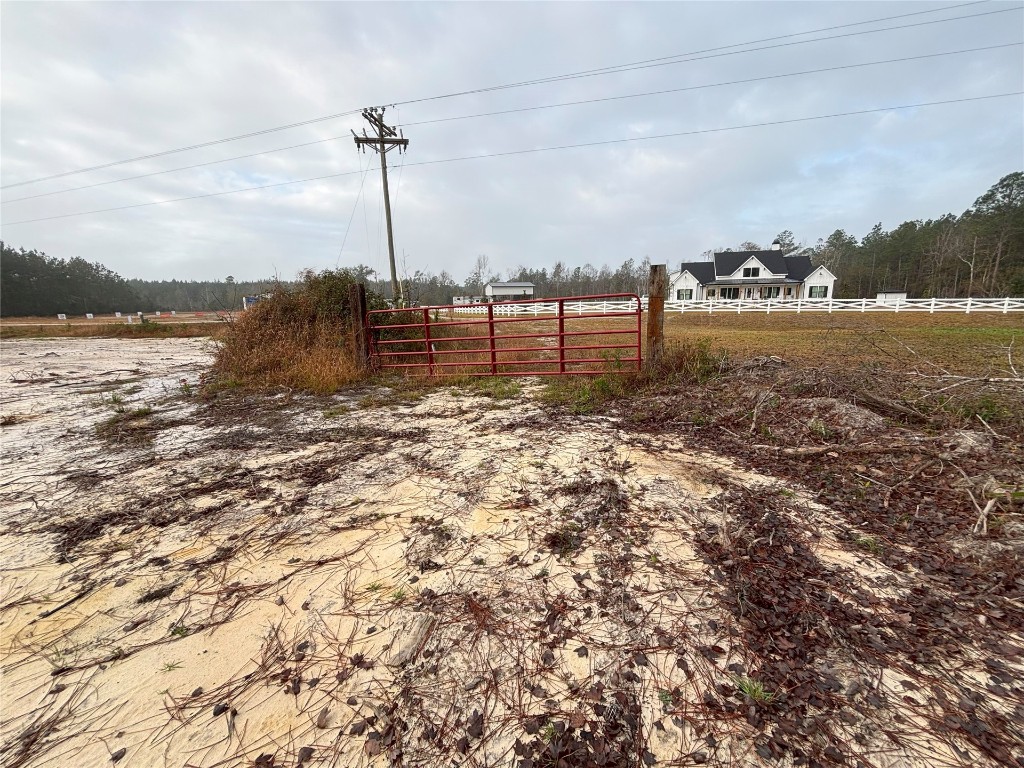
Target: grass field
x,y
966,344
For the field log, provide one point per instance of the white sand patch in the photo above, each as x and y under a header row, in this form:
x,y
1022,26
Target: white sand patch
x,y
441,580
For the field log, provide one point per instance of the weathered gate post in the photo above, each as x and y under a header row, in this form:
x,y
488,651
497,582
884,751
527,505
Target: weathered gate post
x,y
657,286
360,336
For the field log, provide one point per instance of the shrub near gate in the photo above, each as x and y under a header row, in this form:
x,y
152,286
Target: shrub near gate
x,y
297,338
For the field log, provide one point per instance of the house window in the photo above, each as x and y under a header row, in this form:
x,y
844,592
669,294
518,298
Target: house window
x,y
771,292
751,271
818,292
711,293
730,293
684,294
789,290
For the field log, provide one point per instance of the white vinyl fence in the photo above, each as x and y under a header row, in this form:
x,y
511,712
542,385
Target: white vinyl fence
x,y
710,306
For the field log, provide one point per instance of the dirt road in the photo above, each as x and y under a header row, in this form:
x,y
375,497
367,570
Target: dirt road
x,y
280,580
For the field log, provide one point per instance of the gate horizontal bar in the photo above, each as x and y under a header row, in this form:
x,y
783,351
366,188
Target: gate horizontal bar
x,y
421,353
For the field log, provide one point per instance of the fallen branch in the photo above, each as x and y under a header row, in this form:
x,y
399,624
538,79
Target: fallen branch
x,y
981,526
65,604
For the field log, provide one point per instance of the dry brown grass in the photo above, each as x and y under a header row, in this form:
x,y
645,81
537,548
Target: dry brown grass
x,y
297,339
973,344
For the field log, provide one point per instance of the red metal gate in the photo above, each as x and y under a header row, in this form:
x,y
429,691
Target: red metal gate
x,y
434,340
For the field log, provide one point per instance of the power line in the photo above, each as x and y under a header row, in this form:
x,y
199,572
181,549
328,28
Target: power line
x,y
528,109
184,149
626,67
170,170
348,228
683,58
713,85
539,149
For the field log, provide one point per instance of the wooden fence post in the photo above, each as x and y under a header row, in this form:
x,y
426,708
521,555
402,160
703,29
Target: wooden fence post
x,y
360,336
657,287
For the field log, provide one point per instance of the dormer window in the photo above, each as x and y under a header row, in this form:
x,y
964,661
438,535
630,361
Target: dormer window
x,y
751,271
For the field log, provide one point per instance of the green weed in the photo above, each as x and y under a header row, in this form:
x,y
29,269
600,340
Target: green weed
x,y
755,690
869,543
820,428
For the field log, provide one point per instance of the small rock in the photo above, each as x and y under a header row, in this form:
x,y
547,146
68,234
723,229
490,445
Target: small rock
x,y
197,692
115,756
321,719
370,630
279,601
219,709
121,582
305,605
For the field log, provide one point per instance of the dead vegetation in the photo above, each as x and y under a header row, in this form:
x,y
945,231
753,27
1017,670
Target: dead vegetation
x,y
727,562
295,339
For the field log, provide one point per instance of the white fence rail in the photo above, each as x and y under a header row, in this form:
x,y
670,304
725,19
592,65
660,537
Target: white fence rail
x,y
534,309
710,306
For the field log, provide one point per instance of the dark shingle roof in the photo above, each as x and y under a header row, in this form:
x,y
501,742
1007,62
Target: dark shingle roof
x,y
728,262
704,271
799,267
795,268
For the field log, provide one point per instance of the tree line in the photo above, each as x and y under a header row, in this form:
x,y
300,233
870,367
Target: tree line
x,y
33,283
978,253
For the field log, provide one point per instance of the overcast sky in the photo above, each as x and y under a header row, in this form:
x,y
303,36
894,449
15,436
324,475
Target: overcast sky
x,y
85,84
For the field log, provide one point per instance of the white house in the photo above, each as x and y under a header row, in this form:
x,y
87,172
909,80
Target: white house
x,y
508,291
751,275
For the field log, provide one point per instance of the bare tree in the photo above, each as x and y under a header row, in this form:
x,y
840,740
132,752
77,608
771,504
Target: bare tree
x,y
480,274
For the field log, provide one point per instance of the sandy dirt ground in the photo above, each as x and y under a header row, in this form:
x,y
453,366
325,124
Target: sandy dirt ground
x,y
283,580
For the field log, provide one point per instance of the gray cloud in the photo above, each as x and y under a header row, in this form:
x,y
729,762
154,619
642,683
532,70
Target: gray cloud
x,y
88,83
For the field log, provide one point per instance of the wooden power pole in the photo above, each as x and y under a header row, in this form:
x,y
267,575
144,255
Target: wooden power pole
x,y
383,140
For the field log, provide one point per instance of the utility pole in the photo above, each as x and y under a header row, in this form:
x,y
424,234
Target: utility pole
x,y
383,140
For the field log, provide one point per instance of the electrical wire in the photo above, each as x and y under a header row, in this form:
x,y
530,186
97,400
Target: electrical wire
x,y
509,153
352,215
626,67
684,58
530,109
711,85
185,149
